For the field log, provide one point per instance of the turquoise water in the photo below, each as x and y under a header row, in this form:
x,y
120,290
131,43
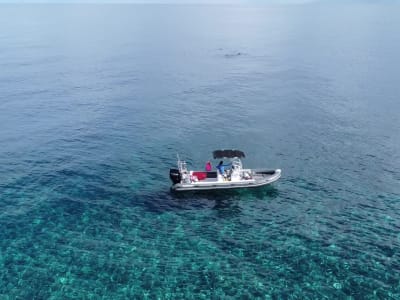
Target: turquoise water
x,y
96,100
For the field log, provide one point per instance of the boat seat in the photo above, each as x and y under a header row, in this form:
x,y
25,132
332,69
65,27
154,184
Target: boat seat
x,y
211,174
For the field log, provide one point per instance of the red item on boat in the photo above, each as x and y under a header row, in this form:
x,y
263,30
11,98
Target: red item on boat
x,y
200,175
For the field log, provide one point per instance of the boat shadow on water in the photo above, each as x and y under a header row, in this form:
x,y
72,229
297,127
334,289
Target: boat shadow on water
x,y
260,193
197,200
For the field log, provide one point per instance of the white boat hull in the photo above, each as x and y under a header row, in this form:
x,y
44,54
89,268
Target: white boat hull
x,y
258,178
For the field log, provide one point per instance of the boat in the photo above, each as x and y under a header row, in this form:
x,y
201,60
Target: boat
x,y
231,178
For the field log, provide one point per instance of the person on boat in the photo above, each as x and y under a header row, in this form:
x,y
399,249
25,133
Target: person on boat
x,y
221,168
208,166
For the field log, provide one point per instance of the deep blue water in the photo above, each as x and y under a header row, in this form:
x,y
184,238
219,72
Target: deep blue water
x,y
96,100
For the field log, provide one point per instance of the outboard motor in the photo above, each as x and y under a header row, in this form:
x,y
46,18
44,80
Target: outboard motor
x,y
175,176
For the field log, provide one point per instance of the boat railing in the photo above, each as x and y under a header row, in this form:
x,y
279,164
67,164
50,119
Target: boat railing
x,y
182,166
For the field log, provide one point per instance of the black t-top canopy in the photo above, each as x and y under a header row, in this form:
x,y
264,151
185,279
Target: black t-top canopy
x,y
228,154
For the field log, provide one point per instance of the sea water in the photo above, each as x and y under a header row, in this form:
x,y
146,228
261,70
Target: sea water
x,y
97,100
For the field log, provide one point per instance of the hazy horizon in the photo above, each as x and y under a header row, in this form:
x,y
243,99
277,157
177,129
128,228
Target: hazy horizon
x,y
165,1
208,2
